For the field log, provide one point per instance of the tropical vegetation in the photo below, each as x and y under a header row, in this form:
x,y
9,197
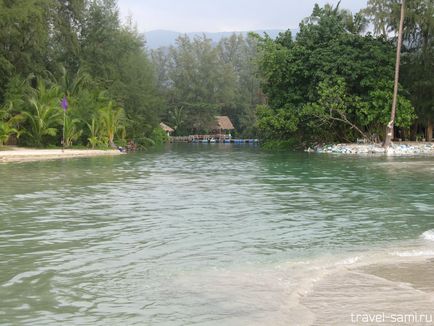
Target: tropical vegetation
x,y
332,81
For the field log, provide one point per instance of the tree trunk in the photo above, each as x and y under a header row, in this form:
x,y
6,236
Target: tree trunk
x,y
429,130
390,125
413,132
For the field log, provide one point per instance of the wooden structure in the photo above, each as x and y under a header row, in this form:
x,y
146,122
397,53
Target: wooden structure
x,y
223,125
166,128
220,133
207,139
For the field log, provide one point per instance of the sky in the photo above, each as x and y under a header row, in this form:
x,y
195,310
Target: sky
x,y
222,15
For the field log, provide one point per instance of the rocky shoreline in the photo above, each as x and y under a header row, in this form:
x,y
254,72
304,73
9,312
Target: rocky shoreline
x,y
398,148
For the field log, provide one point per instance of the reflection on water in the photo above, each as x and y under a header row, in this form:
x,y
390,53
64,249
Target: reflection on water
x,y
210,234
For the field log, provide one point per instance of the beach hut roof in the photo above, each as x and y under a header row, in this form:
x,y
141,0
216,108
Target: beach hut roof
x,y
165,127
223,122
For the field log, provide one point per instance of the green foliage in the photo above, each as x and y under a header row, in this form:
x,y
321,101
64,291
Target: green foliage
x,y
418,52
331,83
277,124
6,130
377,110
94,138
72,133
177,117
159,136
112,121
24,31
43,120
78,49
200,80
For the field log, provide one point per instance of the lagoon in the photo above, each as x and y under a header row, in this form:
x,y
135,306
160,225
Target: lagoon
x,y
214,234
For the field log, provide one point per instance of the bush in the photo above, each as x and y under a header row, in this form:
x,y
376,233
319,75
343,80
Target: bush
x,y
159,136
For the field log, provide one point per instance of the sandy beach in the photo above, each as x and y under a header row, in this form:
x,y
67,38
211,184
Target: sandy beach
x,y
17,154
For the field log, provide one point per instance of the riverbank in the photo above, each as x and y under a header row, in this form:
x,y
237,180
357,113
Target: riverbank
x,y
399,148
18,154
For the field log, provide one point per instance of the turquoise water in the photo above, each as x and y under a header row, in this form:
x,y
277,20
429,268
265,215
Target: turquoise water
x,y
193,234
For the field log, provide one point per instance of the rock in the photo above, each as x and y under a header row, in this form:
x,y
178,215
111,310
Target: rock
x,y
394,149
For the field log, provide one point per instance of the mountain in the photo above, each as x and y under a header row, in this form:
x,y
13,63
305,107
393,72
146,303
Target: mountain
x,y
160,38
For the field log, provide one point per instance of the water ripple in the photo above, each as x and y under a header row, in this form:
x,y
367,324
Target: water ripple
x,y
155,237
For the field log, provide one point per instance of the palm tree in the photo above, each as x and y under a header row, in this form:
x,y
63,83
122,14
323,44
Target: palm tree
x,y
70,84
43,120
43,112
10,116
380,15
177,117
6,130
71,131
94,138
355,24
112,120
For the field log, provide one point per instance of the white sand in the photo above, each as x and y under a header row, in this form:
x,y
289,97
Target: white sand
x,y
17,154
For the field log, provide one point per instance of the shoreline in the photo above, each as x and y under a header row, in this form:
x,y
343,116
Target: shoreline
x,y
19,154
395,149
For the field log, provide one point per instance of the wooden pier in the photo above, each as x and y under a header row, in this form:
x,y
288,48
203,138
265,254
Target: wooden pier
x,y
207,139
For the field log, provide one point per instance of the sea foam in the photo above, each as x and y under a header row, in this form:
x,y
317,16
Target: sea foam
x,y
414,253
428,235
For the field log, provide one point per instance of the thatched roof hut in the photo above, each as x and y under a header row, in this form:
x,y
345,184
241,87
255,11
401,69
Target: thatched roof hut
x,y
166,128
223,123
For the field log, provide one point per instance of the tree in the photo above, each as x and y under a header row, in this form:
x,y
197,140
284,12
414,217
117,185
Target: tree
x,y
243,93
418,55
196,80
99,51
72,132
334,104
206,79
80,48
112,121
94,132
9,123
11,116
43,120
177,117
380,14
66,20
327,77
6,130
23,39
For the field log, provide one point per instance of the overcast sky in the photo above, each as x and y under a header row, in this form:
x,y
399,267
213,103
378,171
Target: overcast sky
x,y
223,15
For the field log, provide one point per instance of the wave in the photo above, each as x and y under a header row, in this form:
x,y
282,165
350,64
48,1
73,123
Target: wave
x,y
428,235
414,253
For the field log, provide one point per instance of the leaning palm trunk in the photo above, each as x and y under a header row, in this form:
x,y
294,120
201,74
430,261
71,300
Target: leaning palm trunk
x,y
390,125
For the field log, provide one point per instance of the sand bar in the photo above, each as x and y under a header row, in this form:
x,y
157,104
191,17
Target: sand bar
x,y
17,154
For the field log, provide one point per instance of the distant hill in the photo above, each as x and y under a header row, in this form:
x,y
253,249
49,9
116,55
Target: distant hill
x,y
159,38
